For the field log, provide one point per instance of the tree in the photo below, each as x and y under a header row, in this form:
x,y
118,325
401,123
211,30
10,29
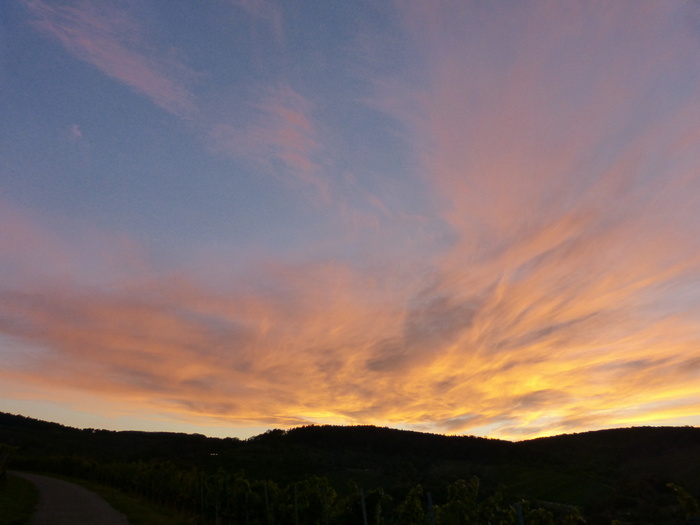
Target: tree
x,y
688,502
410,511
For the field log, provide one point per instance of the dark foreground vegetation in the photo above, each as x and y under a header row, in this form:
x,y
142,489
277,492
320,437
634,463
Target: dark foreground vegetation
x,y
368,475
18,498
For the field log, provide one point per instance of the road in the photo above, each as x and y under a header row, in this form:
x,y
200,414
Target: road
x,y
64,503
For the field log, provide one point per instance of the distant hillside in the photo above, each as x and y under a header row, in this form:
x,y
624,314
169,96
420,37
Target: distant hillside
x,y
626,469
40,438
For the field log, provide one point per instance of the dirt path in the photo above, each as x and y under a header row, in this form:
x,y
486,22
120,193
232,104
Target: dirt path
x,y
64,503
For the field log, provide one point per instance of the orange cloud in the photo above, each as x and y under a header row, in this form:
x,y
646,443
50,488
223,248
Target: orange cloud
x,y
564,296
324,343
574,235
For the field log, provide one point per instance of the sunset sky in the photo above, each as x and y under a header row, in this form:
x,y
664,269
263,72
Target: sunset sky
x,y
463,217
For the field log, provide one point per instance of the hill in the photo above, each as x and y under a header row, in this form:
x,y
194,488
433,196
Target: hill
x,y
618,473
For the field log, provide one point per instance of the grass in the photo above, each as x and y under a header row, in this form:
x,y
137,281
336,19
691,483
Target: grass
x,y
18,498
137,510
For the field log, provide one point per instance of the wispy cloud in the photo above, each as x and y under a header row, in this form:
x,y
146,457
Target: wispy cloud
x,y
557,171
281,136
273,128
565,297
75,132
323,342
113,41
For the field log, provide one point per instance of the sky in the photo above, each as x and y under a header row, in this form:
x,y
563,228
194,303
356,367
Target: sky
x,y
459,217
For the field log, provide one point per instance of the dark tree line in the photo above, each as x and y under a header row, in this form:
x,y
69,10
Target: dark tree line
x,y
383,474
223,498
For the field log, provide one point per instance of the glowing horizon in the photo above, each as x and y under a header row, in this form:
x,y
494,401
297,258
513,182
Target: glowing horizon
x,y
454,217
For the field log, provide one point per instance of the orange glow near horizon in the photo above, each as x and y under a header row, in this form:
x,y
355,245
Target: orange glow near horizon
x,y
514,356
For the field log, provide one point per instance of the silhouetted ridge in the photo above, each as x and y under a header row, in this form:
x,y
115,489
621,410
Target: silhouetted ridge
x,y
40,438
388,441
611,474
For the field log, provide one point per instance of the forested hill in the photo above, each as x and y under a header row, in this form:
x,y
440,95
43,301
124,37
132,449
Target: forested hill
x,y
36,437
614,446
626,469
